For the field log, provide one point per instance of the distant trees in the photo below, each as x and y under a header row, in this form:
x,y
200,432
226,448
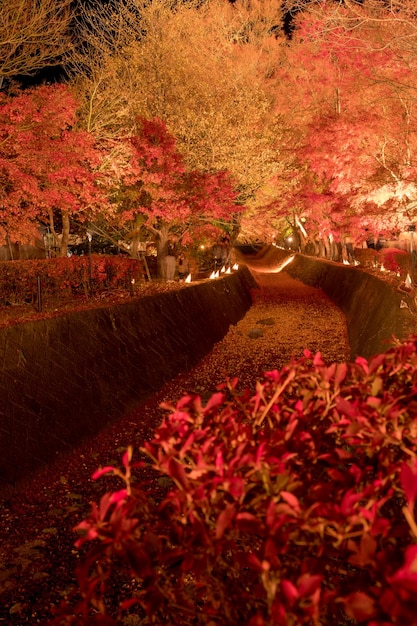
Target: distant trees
x,y
207,69
55,173
159,194
318,129
350,72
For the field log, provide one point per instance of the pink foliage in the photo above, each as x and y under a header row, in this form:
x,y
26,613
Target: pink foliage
x,y
291,504
169,191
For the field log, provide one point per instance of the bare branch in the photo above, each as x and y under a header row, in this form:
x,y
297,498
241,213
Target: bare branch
x,y
33,34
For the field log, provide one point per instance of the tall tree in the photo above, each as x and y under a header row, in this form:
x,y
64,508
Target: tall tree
x,y
206,69
351,75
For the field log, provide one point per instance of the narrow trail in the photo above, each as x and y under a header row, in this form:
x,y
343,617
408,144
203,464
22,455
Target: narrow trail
x,y
37,556
286,318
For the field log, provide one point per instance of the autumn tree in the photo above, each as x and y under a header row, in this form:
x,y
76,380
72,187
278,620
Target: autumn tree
x,y
206,69
33,35
160,195
47,165
350,71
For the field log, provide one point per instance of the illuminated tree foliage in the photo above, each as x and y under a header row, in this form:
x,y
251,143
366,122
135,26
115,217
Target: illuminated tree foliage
x,y
160,195
206,69
46,163
316,129
351,73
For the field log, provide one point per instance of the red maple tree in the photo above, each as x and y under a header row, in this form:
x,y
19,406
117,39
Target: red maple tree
x,y
47,165
159,194
353,131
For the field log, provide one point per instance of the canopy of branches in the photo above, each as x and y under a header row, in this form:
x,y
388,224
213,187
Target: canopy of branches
x,y
33,35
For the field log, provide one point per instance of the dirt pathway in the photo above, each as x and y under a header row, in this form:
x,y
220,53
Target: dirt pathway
x,y
286,317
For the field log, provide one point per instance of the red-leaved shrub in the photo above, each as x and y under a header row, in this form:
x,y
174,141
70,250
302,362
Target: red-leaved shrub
x,y
66,275
291,504
396,260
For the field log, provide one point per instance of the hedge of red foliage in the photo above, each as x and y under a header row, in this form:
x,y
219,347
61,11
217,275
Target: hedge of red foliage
x,y
66,275
392,259
293,504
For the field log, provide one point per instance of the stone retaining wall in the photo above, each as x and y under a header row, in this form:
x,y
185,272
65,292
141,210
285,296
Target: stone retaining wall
x,y
372,307
63,379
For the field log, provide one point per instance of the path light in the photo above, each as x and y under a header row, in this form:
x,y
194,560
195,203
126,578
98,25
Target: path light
x,y
188,279
212,275
382,268
356,263
408,282
346,262
228,271
223,269
235,267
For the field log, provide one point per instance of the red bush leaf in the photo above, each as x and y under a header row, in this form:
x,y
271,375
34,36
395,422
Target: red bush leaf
x,y
224,519
408,478
360,606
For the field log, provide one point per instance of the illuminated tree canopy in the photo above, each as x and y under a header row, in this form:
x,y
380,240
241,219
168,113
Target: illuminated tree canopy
x,y
317,128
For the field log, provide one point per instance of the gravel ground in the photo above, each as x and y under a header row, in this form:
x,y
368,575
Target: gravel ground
x,y
37,556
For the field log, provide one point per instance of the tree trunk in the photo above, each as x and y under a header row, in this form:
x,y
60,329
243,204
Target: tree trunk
x,y
134,247
161,245
65,233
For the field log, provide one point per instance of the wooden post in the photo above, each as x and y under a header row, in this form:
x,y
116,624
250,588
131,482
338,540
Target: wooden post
x,y
39,294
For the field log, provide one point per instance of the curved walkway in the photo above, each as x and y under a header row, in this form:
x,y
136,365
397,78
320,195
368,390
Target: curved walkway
x,y
37,556
286,318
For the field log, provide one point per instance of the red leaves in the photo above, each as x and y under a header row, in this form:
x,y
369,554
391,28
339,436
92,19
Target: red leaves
x,y
359,606
44,164
176,471
363,553
224,520
405,578
305,587
174,193
408,478
266,521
